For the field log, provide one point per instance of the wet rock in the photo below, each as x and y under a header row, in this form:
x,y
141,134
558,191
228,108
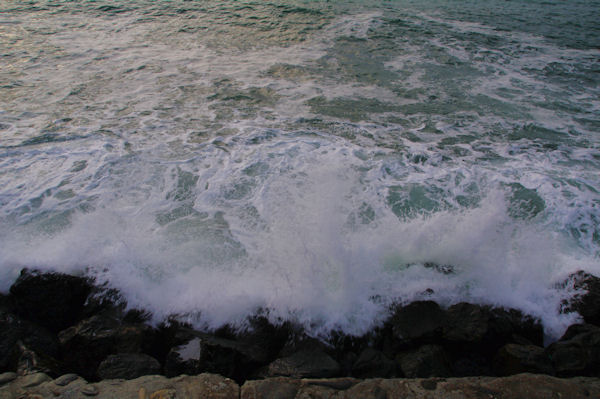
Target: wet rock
x,y
66,379
467,364
206,353
418,321
514,359
128,366
466,322
427,361
29,362
89,342
53,300
13,330
263,334
577,353
90,390
587,302
373,363
7,377
304,364
32,380
487,329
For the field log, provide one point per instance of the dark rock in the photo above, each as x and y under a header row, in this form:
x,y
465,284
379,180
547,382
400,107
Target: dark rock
x,y
427,361
487,328
12,330
128,366
511,325
577,353
29,362
89,342
7,377
305,364
466,323
587,302
205,353
514,359
418,321
53,300
372,363
184,359
468,364
263,334
66,379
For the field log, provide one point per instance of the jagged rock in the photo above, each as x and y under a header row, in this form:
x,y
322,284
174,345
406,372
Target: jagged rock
x,y
466,322
577,352
128,366
13,330
417,321
29,362
304,364
489,328
514,359
89,342
427,361
184,359
373,363
586,303
53,300
263,334
206,353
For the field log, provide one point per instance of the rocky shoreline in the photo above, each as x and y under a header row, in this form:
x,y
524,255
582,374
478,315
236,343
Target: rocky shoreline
x,y
213,386
55,326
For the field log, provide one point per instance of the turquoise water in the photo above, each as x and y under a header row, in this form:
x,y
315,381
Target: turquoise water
x,y
319,160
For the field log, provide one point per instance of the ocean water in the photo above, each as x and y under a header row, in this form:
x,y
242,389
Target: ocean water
x,y
314,161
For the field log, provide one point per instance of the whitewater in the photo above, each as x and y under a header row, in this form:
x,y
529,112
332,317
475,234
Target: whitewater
x,y
312,161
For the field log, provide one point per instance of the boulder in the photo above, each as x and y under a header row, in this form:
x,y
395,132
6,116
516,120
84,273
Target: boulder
x,y
207,353
426,361
514,359
128,366
372,363
577,353
417,322
29,362
487,329
86,344
587,301
304,364
53,300
466,323
14,330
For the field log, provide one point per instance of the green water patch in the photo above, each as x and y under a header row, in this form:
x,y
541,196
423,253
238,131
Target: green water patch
x,y
354,110
359,59
364,215
210,235
538,133
524,203
229,101
289,72
413,199
185,186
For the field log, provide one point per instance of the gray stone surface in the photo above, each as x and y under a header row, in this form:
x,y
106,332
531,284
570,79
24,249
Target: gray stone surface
x,y
212,386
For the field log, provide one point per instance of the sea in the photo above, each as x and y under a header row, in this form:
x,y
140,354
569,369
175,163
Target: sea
x,y
310,161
